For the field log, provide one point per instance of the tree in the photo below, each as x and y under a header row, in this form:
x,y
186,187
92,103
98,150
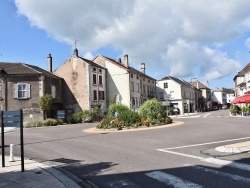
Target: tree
x,y
45,104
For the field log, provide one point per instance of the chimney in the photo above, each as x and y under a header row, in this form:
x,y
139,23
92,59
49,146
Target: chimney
x,y
49,63
197,84
126,60
143,68
120,60
76,52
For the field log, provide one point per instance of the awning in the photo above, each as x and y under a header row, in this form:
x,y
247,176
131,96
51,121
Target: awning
x,y
242,99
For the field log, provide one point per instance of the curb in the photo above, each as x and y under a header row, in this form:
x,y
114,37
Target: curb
x,y
235,148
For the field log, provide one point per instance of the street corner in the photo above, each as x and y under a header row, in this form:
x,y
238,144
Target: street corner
x,y
235,148
95,130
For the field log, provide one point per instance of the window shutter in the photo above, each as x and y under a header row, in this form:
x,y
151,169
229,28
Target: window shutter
x,y
15,91
28,91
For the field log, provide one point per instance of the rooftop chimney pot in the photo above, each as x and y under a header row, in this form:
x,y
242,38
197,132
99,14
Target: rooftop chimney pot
x,y
49,63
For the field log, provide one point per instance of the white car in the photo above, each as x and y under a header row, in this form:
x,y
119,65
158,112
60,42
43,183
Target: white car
x,y
224,107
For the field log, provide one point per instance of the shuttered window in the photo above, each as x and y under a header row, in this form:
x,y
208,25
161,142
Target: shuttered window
x,y
22,91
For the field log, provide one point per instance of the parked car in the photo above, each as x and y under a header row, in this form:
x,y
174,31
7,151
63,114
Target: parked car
x,y
215,107
224,107
174,111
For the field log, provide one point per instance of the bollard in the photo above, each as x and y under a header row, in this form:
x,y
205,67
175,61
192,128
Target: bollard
x,y
11,153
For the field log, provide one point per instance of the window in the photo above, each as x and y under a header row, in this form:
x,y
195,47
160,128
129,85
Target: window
x,y
160,95
94,69
132,75
101,95
100,71
94,78
138,87
53,91
22,91
95,95
148,81
144,89
165,85
143,79
137,77
132,86
100,79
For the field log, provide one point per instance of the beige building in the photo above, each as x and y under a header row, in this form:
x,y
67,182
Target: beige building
x,y
205,103
126,84
84,84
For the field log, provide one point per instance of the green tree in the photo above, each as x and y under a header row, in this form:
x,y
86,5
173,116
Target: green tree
x,y
45,104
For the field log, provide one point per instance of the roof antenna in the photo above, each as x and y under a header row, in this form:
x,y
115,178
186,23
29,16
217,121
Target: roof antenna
x,y
75,42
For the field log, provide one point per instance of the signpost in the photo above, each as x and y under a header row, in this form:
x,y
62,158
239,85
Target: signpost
x,y
12,119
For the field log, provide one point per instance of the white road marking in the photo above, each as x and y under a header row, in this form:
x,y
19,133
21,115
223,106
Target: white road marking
x,y
172,180
121,183
181,154
208,143
223,174
189,116
212,160
206,115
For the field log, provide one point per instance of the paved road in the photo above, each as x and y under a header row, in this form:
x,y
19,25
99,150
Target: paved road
x,y
181,156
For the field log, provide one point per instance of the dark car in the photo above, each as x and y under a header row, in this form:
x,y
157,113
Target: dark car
x,y
174,111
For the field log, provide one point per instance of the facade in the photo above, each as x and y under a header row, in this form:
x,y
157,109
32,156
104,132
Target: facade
x,y
177,93
126,84
84,86
242,81
205,103
230,95
219,98
22,85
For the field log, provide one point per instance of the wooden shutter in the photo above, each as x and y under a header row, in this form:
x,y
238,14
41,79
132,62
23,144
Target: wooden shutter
x,y
27,91
15,91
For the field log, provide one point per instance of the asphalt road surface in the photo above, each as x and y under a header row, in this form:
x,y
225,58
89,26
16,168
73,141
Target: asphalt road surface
x,y
178,156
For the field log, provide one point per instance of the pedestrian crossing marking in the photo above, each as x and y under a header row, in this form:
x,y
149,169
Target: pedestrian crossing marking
x,y
171,180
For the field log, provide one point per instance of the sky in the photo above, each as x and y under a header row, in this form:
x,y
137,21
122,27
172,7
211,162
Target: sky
x,y
207,40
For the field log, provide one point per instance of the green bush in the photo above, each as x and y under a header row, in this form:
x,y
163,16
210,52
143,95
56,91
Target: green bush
x,y
76,117
152,110
50,122
119,108
60,121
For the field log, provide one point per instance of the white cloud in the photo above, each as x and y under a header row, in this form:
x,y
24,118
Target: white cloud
x,y
88,55
173,35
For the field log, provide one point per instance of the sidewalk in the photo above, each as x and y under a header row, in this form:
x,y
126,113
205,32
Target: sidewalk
x,y
35,175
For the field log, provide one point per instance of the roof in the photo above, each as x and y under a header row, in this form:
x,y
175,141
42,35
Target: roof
x,y
242,72
127,68
178,80
200,85
228,91
91,63
24,69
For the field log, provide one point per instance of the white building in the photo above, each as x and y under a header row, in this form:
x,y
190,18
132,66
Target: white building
x,y
177,93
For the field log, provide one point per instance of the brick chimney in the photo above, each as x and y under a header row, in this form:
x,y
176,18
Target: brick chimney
x,y
49,63
126,60
143,69
76,52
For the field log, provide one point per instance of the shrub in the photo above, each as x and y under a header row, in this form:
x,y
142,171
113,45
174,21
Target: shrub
x,y
76,117
152,111
50,122
87,116
60,121
119,108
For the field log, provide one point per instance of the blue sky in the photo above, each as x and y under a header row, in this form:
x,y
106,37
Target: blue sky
x,y
195,39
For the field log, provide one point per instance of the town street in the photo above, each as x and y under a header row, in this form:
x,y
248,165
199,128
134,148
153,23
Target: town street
x,y
177,156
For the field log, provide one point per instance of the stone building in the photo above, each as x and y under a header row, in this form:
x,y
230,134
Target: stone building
x,y
22,85
84,86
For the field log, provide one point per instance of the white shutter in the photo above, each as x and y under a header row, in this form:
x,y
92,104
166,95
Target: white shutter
x,y
15,91
27,91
